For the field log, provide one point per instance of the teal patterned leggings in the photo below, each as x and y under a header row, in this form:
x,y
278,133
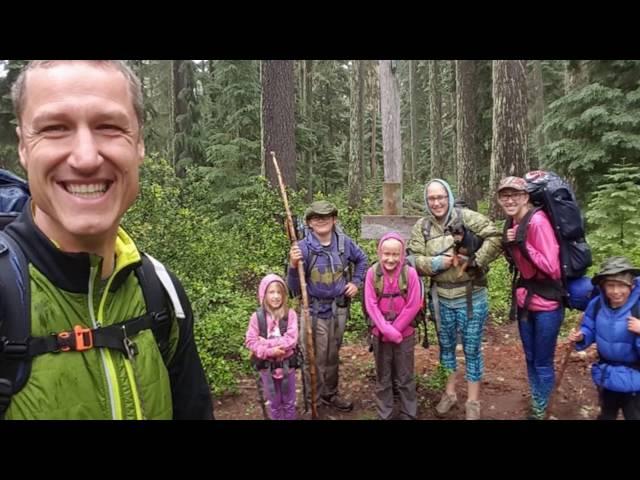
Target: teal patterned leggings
x,y
453,320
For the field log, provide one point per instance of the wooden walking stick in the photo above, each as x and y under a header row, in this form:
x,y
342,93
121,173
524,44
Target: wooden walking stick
x,y
311,353
563,367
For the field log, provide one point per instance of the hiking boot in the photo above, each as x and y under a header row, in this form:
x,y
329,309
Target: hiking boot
x,y
338,403
536,412
472,408
446,403
536,416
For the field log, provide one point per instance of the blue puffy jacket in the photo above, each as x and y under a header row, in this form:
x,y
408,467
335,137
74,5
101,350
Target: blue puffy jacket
x,y
619,349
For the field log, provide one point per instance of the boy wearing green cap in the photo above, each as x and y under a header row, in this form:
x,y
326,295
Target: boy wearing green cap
x,y
327,254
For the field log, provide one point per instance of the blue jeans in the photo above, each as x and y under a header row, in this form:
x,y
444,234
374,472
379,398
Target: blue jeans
x,y
539,334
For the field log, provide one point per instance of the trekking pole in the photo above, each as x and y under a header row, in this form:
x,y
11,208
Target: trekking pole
x,y
559,377
291,233
563,367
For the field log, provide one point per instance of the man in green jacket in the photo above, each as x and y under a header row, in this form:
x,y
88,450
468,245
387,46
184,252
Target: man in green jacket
x,y
454,247
81,143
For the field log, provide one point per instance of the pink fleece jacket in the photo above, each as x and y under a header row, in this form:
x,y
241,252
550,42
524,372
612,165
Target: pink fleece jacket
x,y
261,347
544,251
392,331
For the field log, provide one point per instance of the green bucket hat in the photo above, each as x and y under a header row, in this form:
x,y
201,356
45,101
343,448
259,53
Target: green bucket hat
x,y
321,207
614,266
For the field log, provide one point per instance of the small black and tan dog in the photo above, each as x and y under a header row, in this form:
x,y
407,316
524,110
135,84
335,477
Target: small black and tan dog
x,y
465,244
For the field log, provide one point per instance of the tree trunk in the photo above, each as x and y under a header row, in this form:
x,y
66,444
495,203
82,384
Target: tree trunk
x,y
374,105
435,121
453,119
575,75
391,141
278,118
308,117
536,114
356,129
413,119
509,141
466,126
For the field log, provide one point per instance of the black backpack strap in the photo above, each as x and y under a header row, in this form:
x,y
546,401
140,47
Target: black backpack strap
x,y
521,235
283,324
262,323
15,319
115,337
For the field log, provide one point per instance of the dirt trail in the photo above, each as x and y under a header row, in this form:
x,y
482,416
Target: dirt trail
x,y
504,391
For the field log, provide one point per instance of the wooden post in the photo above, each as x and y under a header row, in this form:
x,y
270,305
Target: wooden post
x,y
391,198
392,151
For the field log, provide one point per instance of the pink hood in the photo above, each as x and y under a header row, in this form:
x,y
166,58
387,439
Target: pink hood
x,y
264,348
265,282
395,236
404,310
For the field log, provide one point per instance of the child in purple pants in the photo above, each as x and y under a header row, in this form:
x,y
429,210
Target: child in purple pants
x,y
272,337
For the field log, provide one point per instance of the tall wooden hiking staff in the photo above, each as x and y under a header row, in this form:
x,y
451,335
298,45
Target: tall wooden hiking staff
x,y
311,353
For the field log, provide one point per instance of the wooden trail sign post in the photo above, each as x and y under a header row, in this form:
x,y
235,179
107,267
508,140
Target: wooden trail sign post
x,y
375,226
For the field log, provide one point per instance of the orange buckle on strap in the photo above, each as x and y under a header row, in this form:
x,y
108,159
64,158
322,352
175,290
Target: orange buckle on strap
x,y
84,338
80,339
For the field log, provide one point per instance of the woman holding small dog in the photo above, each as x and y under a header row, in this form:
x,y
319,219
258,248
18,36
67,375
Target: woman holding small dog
x,y
454,246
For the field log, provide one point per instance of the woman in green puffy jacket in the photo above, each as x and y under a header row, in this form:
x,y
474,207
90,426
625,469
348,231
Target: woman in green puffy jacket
x,y
458,297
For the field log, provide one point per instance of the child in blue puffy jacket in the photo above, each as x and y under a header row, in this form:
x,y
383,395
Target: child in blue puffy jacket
x,y
612,321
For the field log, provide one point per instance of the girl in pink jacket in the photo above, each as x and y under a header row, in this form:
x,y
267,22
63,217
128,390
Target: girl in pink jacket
x,y
393,297
272,337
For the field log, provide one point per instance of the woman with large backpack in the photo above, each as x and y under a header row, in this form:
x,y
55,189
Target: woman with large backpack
x,y
272,337
538,293
393,297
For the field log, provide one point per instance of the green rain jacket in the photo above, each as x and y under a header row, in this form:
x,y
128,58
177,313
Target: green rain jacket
x,y
440,240
99,383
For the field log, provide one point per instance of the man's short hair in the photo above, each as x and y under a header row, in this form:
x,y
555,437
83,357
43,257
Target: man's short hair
x,y
18,88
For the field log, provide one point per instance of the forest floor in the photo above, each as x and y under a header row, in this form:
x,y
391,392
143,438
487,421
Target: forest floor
x,y
504,390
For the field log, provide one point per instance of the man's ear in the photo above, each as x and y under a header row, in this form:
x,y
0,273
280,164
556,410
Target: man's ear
x,y
22,154
140,148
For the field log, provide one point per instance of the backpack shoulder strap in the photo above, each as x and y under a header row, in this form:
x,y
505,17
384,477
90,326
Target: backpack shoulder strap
x,y
262,322
341,241
15,319
635,310
283,324
403,281
379,280
341,252
523,230
426,229
157,288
